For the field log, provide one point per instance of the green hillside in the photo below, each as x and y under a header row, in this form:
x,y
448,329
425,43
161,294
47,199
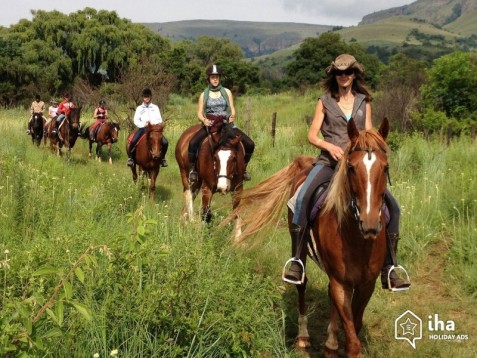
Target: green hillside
x,y
255,38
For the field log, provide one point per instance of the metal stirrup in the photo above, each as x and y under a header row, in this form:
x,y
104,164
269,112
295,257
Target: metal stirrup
x,y
395,289
295,282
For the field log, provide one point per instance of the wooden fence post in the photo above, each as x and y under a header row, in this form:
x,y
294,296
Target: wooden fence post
x,y
274,126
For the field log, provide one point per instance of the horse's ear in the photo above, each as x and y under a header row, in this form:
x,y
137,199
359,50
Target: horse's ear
x,y
236,140
353,132
384,128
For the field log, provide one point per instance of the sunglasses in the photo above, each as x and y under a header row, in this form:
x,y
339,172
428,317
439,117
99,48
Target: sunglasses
x,y
347,72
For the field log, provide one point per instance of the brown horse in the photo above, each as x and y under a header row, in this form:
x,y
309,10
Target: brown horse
x,y
107,133
68,132
148,154
348,235
220,168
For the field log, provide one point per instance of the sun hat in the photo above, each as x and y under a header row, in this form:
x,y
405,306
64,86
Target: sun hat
x,y
343,62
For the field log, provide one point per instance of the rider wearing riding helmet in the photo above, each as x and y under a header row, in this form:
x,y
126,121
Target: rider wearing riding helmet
x,y
146,113
101,115
216,104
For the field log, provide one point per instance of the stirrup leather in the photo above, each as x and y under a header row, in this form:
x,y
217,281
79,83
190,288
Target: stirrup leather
x,y
395,289
285,269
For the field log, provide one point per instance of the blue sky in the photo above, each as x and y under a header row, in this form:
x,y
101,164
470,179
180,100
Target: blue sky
x,y
322,12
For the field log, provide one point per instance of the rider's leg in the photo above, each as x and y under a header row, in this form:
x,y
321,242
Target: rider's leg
x,y
165,146
300,231
193,150
132,146
29,130
249,147
392,236
57,123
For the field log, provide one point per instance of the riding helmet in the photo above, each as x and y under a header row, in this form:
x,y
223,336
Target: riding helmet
x,y
213,70
102,101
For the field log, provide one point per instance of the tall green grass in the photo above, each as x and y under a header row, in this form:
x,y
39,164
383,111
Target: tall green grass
x,y
154,286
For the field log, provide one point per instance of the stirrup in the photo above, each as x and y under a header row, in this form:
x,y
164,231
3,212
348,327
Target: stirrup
x,y
395,289
299,262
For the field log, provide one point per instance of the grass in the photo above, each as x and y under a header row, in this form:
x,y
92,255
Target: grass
x,y
156,286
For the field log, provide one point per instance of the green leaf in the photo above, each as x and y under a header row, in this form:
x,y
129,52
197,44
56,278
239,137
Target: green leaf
x,y
47,270
82,309
52,315
59,312
141,230
80,274
55,332
68,290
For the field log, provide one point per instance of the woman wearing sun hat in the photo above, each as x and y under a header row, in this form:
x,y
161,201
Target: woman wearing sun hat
x,y
346,97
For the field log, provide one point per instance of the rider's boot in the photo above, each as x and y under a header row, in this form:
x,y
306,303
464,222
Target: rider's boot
x,y
246,175
193,176
294,274
130,162
390,261
55,128
164,163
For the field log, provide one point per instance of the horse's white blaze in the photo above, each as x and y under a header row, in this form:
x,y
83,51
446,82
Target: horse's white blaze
x,y
223,183
368,163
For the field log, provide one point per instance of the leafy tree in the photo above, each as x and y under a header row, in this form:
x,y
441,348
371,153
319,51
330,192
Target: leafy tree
x,y
399,84
315,54
451,86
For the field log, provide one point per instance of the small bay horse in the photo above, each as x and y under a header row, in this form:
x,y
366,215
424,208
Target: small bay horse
x,y
37,128
348,235
106,134
148,154
68,132
220,168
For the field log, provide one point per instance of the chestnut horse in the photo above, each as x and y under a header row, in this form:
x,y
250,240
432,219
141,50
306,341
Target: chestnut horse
x,y
348,235
220,168
68,132
36,128
148,154
107,133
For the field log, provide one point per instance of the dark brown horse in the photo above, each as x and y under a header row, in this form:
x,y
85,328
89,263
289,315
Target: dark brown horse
x,y
37,128
148,154
106,134
68,132
348,235
220,168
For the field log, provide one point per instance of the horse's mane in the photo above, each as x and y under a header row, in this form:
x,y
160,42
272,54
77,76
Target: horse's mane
x,y
226,133
339,195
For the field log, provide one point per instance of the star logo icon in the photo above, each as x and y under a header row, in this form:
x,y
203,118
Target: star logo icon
x,y
408,327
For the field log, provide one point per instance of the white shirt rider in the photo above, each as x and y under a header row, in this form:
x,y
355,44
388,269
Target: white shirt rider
x,y
147,113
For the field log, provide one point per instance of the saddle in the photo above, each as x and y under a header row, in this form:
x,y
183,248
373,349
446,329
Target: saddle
x,y
93,132
130,138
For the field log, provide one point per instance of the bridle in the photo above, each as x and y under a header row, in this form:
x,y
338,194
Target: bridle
x,y
353,206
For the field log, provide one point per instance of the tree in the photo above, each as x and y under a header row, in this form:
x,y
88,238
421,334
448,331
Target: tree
x,y
451,86
316,53
398,88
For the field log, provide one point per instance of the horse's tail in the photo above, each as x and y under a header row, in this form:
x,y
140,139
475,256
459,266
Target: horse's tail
x,y
262,205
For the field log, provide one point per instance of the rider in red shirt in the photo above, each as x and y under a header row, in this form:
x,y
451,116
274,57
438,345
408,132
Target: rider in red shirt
x,y
63,110
101,115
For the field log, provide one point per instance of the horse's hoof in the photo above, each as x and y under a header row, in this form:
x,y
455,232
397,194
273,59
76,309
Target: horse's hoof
x,y
302,342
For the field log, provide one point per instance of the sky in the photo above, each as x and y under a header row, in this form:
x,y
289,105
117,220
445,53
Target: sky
x,y
320,12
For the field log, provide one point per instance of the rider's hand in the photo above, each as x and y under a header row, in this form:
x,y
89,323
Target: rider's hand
x,y
231,118
207,122
335,151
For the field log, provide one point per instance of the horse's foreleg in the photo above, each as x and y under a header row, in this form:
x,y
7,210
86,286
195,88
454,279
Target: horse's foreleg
x,y
341,299
98,152
90,148
110,153
206,213
361,297
333,328
238,221
303,337
152,183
